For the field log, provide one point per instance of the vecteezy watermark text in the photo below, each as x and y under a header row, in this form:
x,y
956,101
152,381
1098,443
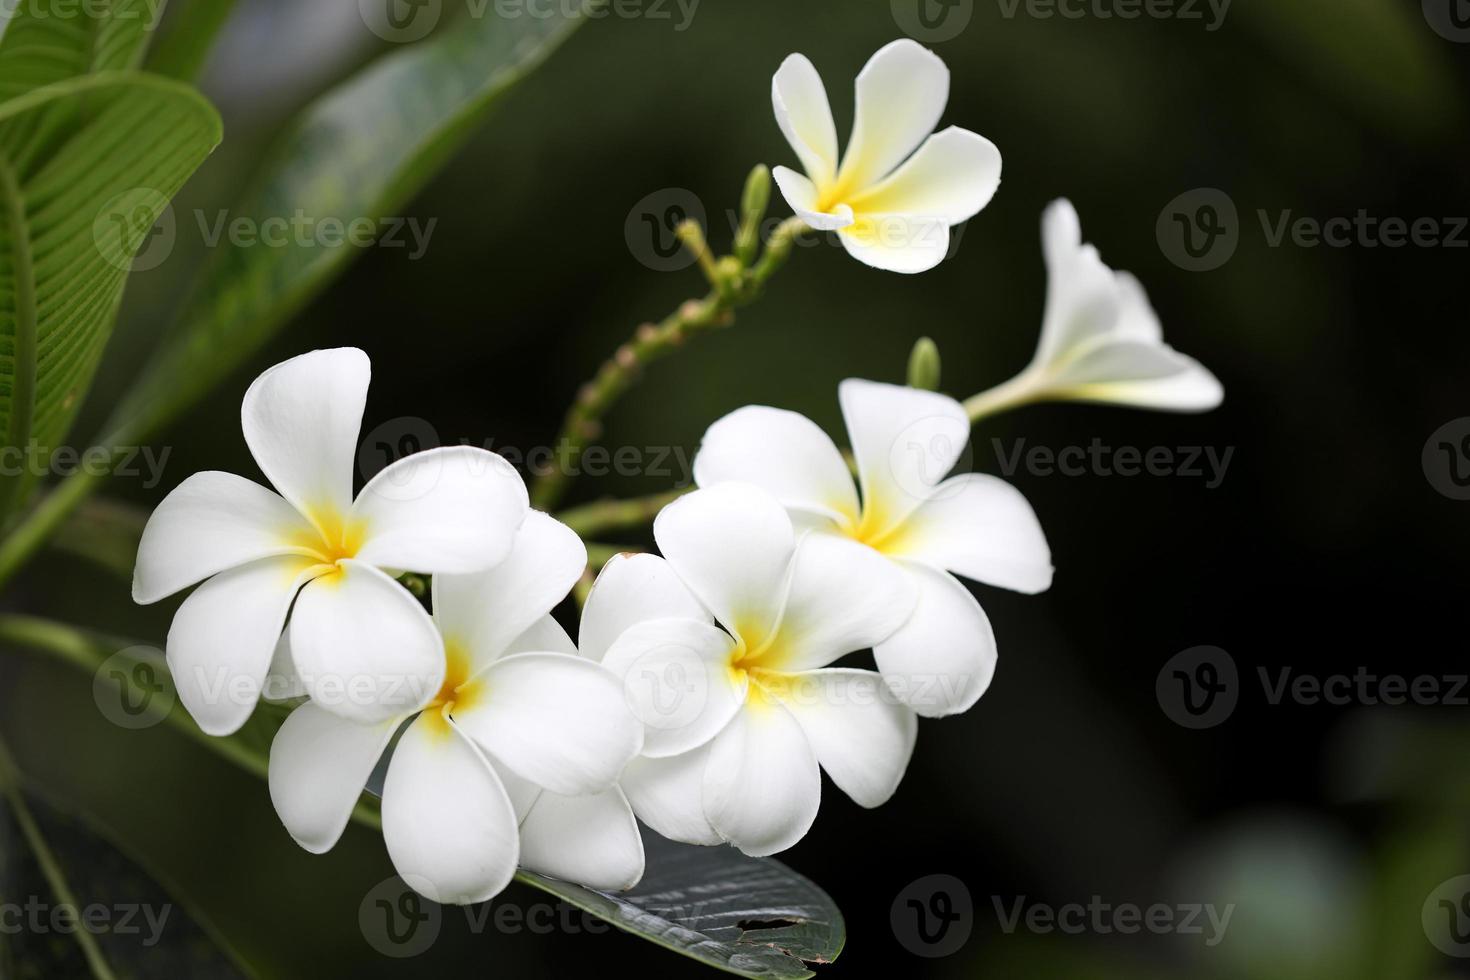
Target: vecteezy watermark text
x,y
1101,918
37,460
406,21
40,917
1211,12
1207,463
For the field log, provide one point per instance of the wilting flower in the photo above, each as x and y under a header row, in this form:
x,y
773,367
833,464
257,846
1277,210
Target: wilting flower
x,y
891,200
1101,341
514,758
738,719
358,638
923,526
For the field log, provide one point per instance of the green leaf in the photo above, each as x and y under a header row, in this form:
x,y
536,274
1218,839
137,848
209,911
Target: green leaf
x,y
753,917
749,916
87,909
47,42
87,166
359,152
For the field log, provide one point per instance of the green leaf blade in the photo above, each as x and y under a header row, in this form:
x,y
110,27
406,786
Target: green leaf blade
x,y
77,207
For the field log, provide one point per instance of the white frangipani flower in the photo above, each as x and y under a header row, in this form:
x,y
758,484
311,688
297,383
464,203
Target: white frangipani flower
x,y
360,641
1101,340
738,719
905,442
515,758
900,186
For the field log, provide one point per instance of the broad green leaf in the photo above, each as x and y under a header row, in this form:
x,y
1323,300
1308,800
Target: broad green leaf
x,y
76,203
750,916
106,533
357,153
753,917
84,908
49,41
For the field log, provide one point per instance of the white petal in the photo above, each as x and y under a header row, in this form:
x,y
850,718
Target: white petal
x,y
485,611
980,527
1083,303
301,420
554,719
1139,374
805,200
543,636
782,452
211,522
319,764
844,597
732,545
364,647
445,511
952,176
761,785
905,441
632,589
591,840
804,115
861,733
901,93
942,660
901,243
222,638
668,795
676,680
447,821
283,682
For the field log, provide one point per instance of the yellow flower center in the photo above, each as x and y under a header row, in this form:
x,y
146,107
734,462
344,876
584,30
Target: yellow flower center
x,y
333,537
459,691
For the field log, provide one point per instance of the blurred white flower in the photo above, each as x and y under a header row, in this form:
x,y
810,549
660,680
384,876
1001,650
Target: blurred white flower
x,y
514,759
911,520
738,720
900,186
361,642
1101,341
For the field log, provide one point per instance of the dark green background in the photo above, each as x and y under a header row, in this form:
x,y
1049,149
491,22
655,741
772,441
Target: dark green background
x,y
1325,548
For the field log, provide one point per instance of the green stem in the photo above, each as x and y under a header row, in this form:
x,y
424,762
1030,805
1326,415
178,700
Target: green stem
x,y
1020,390
32,532
23,356
616,515
10,785
735,287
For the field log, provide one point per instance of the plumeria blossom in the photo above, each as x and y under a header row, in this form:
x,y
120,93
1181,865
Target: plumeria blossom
x,y
361,643
900,186
724,646
514,758
909,521
1101,340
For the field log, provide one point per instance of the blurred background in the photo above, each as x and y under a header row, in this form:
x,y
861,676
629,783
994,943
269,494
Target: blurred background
x,y
1325,547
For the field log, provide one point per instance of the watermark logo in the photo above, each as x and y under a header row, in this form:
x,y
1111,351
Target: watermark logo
x,y
926,451
667,688
1450,19
1446,459
650,229
1446,917
398,921
932,21
136,230
933,916
401,21
1199,230
130,688
394,440
1198,688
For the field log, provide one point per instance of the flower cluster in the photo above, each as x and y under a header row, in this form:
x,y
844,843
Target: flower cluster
x,y
701,696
